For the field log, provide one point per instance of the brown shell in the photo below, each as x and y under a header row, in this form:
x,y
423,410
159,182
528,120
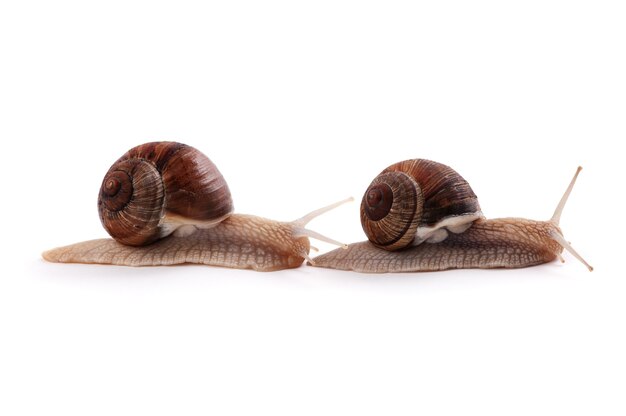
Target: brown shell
x,y
157,180
392,210
389,221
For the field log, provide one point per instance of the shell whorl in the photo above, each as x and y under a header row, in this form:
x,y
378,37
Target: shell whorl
x,y
157,184
391,210
414,201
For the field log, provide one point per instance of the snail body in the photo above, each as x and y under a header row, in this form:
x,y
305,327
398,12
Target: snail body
x,y
239,241
445,230
166,203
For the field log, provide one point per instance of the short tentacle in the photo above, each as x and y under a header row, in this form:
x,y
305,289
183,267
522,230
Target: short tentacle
x,y
556,218
566,245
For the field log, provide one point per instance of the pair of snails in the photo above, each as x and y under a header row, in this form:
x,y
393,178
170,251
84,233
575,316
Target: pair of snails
x,y
166,203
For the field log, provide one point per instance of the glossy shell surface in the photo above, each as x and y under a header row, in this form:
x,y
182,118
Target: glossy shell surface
x,y
156,187
417,201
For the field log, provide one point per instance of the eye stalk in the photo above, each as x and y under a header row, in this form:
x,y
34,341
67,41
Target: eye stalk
x,y
166,203
452,232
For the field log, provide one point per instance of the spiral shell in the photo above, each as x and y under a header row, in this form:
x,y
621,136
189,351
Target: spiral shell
x,y
157,187
417,201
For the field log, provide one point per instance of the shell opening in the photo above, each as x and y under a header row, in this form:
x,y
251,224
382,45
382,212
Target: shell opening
x,y
456,225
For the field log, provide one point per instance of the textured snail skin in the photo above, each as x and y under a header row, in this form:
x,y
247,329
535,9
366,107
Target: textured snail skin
x,y
487,244
240,241
449,203
166,203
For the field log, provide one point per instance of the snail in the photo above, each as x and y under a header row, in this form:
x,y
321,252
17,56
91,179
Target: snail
x,y
166,203
421,215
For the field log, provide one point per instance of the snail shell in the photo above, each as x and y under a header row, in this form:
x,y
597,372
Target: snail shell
x,y
159,187
443,202
163,188
417,201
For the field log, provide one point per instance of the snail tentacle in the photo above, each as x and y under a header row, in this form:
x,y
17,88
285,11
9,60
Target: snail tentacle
x,y
452,232
166,203
299,229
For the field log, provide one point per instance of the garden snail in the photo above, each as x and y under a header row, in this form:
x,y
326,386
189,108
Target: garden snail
x,y
421,215
166,203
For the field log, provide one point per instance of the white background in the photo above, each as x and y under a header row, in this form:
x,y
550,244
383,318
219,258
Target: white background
x,y
301,104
